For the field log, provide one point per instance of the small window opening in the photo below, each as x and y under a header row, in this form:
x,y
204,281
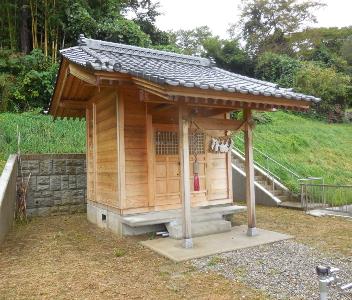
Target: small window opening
x,y
103,217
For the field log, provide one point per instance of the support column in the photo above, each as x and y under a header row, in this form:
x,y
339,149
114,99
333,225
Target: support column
x,y
249,167
185,178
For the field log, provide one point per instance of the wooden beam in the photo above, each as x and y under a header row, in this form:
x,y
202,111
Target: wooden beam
x,y
162,107
73,104
59,88
209,112
218,124
248,98
249,168
81,73
185,175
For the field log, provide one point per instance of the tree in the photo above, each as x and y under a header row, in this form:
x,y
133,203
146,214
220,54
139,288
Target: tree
x,y
306,41
191,41
25,43
260,20
277,68
346,49
332,87
228,55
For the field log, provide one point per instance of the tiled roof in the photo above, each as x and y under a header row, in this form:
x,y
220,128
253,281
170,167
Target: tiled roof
x,y
170,68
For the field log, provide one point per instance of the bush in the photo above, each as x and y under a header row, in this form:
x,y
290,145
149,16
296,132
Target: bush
x,y
332,87
26,82
277,68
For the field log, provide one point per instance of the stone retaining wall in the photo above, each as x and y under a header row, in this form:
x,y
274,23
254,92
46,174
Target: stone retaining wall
x,y
57,183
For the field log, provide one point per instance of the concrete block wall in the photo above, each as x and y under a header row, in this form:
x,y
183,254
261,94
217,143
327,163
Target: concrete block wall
x,y
57,183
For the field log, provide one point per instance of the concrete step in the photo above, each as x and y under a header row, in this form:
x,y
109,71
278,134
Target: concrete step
x,y
198,214
259,178
291,204
199,228
284,198
277,192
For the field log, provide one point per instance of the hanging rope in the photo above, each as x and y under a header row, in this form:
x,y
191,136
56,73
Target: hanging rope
x,y
219,144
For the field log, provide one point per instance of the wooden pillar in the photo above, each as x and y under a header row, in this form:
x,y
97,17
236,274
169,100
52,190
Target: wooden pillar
x,y
249,167
185,178
95,146
120,141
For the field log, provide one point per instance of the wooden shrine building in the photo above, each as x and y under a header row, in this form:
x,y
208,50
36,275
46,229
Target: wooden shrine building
x,y
158,132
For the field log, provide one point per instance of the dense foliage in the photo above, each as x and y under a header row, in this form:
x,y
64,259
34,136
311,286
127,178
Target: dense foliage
x,y
270,42
26,81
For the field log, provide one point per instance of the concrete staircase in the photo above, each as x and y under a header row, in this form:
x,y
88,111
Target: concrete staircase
x,y
268,190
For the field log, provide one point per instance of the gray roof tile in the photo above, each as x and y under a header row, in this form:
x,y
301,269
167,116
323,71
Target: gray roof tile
x,y
170,68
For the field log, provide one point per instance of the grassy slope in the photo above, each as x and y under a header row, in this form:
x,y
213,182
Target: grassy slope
x,y
39,134
309,147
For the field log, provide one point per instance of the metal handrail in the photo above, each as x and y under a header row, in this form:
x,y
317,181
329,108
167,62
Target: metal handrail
x,y
322,196
329,185
259,165
273,160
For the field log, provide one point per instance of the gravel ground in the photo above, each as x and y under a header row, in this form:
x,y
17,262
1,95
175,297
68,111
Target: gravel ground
x,y
284,270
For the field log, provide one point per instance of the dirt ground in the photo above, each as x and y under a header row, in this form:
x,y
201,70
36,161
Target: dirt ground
x,y
331,235
65,257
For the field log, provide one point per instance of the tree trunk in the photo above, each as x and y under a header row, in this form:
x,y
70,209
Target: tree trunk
x,y
34,14
25,44
10,28
46,28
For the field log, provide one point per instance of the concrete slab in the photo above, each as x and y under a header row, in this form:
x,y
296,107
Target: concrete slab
x,y
213,244
327,212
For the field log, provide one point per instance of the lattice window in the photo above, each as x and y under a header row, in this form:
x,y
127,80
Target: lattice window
x,y
166,143
197,142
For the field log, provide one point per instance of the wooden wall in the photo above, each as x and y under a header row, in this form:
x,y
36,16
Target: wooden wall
x,y
119,129
102,151
135,150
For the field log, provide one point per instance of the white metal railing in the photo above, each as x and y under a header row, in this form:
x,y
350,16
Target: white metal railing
x,y
272,164
327,196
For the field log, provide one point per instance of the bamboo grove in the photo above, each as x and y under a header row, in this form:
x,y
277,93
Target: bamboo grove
x,y
315,61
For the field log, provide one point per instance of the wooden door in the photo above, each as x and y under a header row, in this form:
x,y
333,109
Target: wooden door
x,y
217,176
167,166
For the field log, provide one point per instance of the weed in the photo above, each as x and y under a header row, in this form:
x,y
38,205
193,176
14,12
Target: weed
x,y
214,261
151,235
119,252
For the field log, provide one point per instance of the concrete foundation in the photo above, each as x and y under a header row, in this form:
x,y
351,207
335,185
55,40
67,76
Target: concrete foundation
x,y
106,217
205,220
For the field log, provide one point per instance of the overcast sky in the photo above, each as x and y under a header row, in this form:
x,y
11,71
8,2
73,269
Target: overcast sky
x,y
218,14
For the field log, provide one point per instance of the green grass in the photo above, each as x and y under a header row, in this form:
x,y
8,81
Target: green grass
x,y
309,147
39,134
